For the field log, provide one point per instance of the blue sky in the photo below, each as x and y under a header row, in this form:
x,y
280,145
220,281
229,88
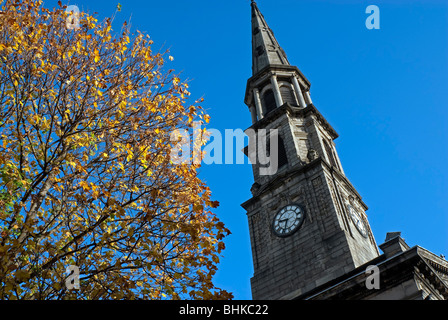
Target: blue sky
x,y
384,91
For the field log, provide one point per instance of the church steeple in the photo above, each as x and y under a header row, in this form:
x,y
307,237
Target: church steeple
x,y
307,222
265,48
274,81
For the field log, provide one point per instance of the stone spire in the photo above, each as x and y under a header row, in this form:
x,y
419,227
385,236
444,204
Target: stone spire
x,y
265,48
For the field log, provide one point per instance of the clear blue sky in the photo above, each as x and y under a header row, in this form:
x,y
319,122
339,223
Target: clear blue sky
x,y
384,91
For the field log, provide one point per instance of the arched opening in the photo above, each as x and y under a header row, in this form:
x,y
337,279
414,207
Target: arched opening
x,y
268,101
282,158
287,95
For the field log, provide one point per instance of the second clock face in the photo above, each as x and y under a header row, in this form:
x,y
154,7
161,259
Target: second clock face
x,y
288,220
358,221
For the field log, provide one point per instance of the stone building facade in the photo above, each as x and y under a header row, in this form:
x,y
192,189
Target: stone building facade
x,y
309,230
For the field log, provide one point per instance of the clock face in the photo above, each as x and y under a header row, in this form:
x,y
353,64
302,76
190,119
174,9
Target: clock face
x,y
357,220
288,220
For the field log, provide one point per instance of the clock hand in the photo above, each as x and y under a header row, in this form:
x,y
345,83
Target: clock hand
x,y
285,221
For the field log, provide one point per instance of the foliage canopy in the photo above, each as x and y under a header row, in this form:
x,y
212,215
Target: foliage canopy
x,y
86,177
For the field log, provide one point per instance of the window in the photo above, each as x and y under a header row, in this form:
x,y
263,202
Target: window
x,y
268,101
282,157
330,154
287,95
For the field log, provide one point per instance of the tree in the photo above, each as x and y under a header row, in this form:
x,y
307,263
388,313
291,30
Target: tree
x,y
86,177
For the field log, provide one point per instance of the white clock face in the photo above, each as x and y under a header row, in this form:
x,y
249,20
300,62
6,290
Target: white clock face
x,y
357,220
288,220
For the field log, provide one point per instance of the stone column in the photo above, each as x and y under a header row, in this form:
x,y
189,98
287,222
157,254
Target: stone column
x,y
308,98
277,94
298,91
258,103
253,113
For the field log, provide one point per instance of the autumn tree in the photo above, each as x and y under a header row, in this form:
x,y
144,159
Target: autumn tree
x,y
86,175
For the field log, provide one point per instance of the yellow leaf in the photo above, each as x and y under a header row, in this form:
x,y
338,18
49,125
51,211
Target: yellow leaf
x,y
97,55
84,185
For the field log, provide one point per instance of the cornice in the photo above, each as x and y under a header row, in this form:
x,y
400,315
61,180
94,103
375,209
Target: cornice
x,y
296,112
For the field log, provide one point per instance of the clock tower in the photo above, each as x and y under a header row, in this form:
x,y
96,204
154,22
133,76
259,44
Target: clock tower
x,y
308,224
